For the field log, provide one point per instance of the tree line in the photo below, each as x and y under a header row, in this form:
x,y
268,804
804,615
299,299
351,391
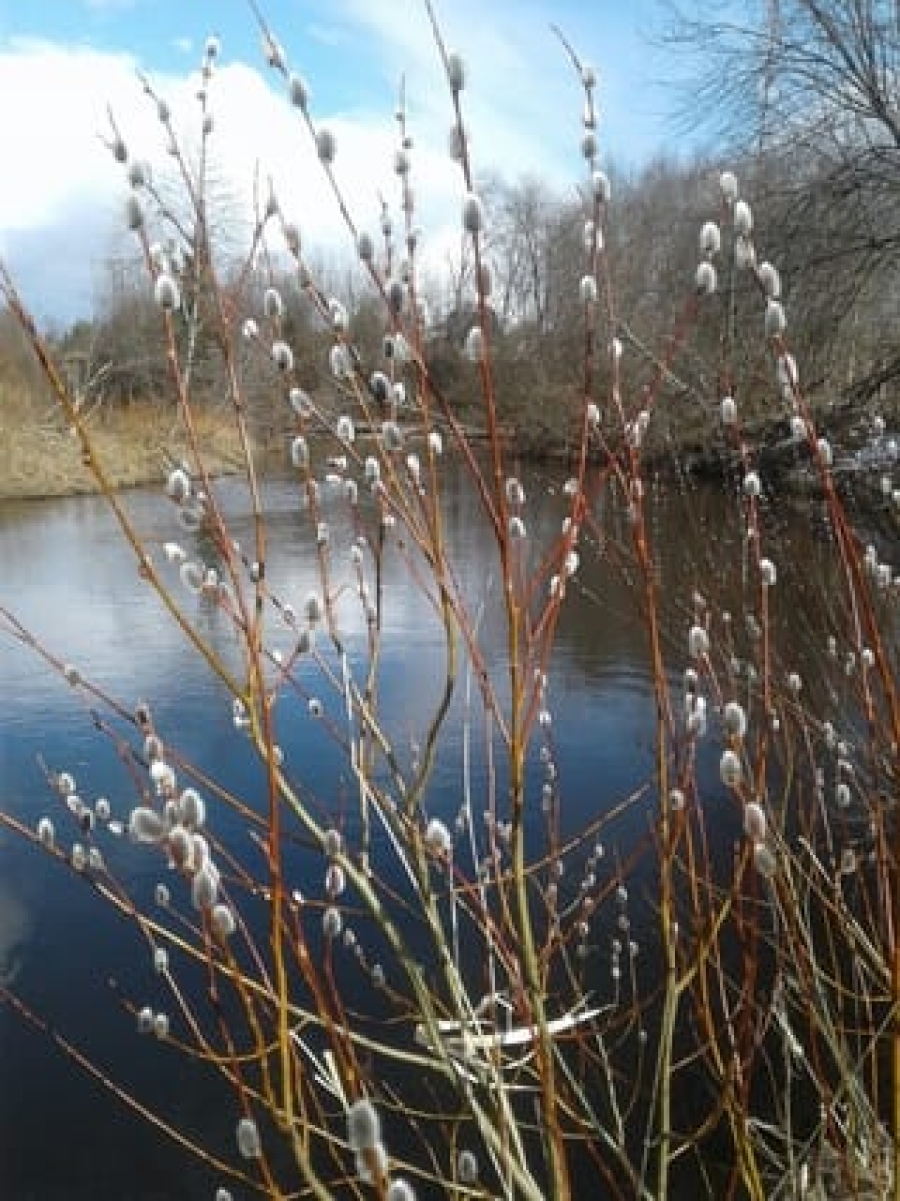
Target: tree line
x,y
803,99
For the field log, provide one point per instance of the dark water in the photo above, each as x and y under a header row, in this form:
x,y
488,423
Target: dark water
x,y
65,572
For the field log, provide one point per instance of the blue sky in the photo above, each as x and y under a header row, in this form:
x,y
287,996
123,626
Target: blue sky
x,y
63,61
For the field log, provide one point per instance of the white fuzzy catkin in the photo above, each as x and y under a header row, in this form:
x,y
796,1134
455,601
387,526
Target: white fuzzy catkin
x,y
743,218
166,293
474,346
730,769
282,356
456,72
146,825
472,214
770,280
601,186
299,92
222,921
437,837
191,808
775,320
467,1167
363,1126
273,305
248,1140
710,238
764,861
326,146
705,278
205,887
735,719
755,825
728,185
698,642
400,1190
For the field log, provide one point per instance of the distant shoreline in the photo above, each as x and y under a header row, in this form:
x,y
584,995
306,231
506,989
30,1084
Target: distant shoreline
x,y
135,447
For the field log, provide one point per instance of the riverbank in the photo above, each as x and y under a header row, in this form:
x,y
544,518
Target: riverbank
x,y
135,446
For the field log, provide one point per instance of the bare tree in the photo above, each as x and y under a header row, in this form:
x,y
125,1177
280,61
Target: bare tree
x,y
810,88
523,218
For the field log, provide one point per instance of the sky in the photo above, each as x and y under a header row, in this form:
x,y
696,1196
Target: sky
x,y
65,63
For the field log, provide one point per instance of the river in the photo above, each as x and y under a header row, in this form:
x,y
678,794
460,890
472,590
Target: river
x,y
68,576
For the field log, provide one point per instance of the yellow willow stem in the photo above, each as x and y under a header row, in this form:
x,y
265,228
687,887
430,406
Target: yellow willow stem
x,y
263,736
895,997
559,1174
559,1178
671,992
667,933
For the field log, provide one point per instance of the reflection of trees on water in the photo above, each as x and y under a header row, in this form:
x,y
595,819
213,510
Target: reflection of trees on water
x,y
15,931
698,541
700,546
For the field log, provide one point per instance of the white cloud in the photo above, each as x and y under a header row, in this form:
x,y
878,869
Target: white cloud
x,y
52,150
523,106
70,191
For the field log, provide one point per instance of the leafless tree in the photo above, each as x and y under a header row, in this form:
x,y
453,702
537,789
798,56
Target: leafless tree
x,y
810,89
523,218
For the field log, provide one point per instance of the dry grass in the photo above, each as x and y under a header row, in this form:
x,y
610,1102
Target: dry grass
x,y
39,457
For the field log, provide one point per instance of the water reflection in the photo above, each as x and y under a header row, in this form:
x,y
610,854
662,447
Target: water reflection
x,y
15,932
69,576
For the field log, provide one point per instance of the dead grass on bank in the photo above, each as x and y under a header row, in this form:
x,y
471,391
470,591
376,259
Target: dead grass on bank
x,y
39,457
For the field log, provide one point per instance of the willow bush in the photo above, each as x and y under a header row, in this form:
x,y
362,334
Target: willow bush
x,y
498,1040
